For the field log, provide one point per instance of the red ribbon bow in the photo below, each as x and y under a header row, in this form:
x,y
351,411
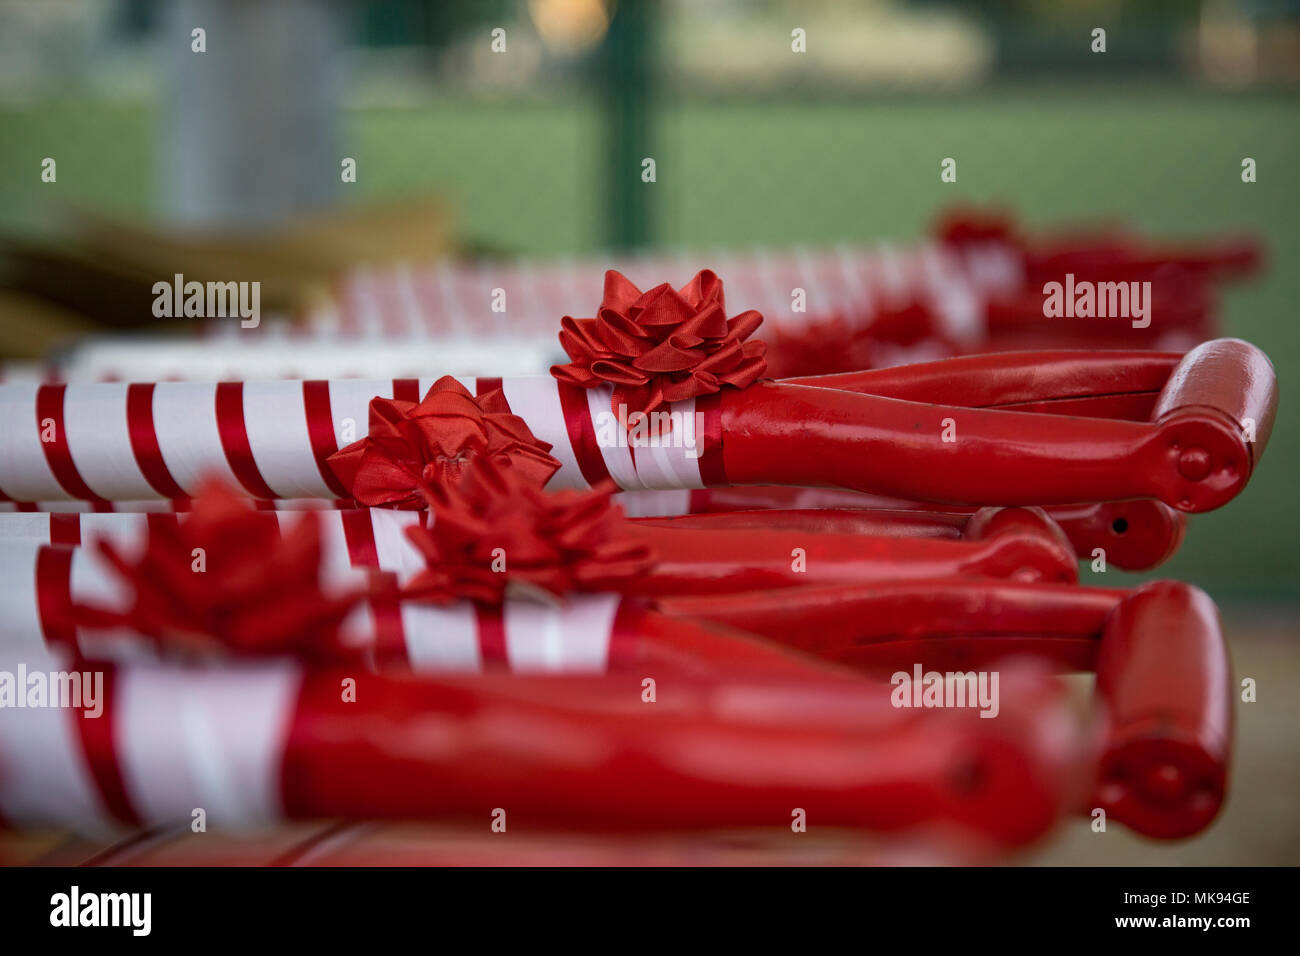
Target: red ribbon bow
x,y
225,578
431,441
494,532
662,345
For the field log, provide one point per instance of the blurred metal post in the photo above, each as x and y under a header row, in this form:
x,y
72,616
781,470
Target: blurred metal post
x,y
249,133
626,78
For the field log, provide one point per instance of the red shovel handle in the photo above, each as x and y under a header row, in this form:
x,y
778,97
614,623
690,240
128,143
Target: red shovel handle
x,y
1228,377
1136,534
1164,684
1009,543
1004,379
1214,417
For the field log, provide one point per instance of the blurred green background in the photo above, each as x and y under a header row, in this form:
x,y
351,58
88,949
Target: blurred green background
x,y
1153,137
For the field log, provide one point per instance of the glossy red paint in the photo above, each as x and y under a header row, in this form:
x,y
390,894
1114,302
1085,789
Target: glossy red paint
x,y
1164,683
1012,379
1164,695
709,753
1195,454
730,558
1135,535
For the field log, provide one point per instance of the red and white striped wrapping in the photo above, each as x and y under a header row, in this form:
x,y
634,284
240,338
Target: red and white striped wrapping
x,y
212,739
686,560
587,633
352,539
251,745
114,441
399,321
851,281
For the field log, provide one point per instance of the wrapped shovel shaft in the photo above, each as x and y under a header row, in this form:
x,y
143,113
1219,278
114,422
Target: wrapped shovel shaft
x,y
1209,427
256,745
727,558
585,634
1133,535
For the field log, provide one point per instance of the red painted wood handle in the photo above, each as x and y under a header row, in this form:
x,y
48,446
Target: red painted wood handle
x,y
1164,683
1136,535
1213,420
1225,377
592,754
947,623
1015,543
1195,456
800,435
1010,378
